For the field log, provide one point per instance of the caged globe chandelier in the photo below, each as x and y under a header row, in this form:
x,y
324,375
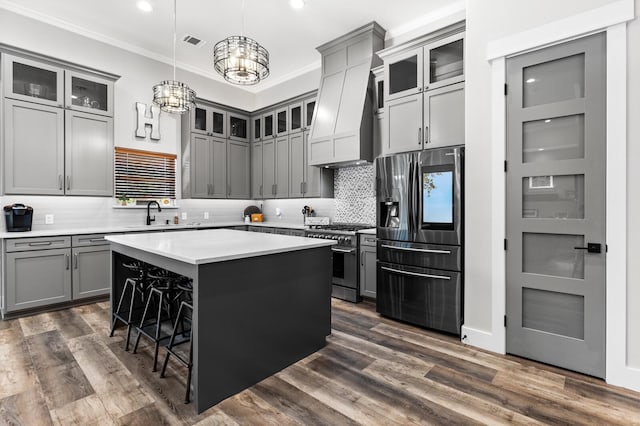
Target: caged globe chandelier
x,y
170,95
241,60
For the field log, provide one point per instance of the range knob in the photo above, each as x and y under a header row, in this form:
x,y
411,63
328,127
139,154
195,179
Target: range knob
x,y
341,239
347,240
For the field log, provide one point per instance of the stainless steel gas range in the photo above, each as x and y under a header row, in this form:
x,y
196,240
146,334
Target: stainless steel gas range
x,y
345,281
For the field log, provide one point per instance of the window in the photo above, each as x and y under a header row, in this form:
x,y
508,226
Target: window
x,y
145,174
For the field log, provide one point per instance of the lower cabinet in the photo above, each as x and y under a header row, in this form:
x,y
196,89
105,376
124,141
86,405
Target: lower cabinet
x,y
45,271
367,265
37,278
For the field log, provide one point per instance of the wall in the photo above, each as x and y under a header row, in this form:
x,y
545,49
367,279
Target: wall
x,y
633,197
492,20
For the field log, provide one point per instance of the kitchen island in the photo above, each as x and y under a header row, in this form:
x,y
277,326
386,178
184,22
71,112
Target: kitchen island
x,y
261,301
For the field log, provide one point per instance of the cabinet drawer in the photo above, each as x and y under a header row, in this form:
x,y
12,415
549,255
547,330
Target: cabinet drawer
x,y
368,240
435,256
88,240
37,243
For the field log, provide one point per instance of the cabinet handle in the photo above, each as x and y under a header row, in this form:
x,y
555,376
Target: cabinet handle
x,y
415,274
302,187
362,258
273,189
419,136
68,182
44,243
213,189
426,134
60,182
260,190
75,260
228,190
95,240
66,261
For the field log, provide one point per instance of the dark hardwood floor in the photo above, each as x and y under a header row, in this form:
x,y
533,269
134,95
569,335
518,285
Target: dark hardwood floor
x,y
62,368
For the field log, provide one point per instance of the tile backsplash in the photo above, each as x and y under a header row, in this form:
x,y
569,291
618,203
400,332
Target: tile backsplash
x,y
355,194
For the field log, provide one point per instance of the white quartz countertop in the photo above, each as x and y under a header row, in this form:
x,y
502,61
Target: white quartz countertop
x,y
112,229
215,245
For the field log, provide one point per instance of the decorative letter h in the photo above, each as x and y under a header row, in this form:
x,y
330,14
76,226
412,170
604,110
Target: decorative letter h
x,y
143,121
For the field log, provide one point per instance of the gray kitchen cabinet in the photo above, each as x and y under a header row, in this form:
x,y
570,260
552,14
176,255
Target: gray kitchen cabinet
x,y
88,93
91,271
34,148
282,167
296,118
436,63
37,277
368,265
297,165
404,116
423,95
282,121
200,167
268,125
318,181
219,168
443,116
269,168
380,134
88,154
426,120
209,120
33,81
256,170
238,127
256,129
238,169
208,168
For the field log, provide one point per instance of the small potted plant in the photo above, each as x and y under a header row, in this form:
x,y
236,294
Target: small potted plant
x,y
124,200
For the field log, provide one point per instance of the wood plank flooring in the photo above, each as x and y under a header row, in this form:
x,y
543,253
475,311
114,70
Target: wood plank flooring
x,y
62,368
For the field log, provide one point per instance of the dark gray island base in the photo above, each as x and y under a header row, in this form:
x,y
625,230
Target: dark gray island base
x,y
253,316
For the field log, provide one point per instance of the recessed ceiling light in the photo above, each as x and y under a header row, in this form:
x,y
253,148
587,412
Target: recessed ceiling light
x,y
547,121
144,6
531,80
297,4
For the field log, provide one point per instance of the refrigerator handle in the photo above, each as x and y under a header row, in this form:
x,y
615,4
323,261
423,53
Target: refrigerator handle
x,y
410,201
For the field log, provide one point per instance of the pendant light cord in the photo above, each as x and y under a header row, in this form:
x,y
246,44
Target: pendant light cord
x,y
242,20
174,40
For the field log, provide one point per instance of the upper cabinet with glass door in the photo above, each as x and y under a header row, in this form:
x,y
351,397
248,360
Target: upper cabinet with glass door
x,y
88,93
238,127
210,121
309,108
32,81
296,123
425,67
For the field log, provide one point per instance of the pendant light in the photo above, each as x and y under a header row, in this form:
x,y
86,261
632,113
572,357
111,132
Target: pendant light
x,y
241,60
170,95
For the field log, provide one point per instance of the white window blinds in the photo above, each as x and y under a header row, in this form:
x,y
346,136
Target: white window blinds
x,y
145,174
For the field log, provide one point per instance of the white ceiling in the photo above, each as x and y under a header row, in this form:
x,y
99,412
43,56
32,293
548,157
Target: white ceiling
x,y
289,35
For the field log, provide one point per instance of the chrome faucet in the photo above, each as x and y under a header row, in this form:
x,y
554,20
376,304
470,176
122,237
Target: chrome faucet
x,y
149,218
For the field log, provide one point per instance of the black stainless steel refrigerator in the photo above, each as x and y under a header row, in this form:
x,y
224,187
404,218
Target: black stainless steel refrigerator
x,y
419,214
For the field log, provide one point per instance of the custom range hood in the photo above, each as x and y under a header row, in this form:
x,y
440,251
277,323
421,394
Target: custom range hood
x,y
342,130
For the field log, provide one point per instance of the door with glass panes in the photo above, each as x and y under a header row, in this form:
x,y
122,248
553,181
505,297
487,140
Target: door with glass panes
x,y
556,248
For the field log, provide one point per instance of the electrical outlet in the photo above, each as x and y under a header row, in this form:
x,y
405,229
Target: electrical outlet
x,y
48,219
206,215
184,215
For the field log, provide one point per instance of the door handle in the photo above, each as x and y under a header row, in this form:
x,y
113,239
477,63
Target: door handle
x,y
591,248
417,250
415,274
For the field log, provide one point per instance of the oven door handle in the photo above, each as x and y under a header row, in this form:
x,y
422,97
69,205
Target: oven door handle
x,y
342,250
415,274
416,250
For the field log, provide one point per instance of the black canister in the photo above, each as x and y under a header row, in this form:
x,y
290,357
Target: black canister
x,y
18,217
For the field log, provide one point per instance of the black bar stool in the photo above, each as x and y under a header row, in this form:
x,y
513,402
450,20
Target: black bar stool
x,y
163,290
184,336
138,285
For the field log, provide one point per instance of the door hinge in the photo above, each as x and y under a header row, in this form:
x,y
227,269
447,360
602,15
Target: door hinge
x,y
505,166
505,321
505,244
506,90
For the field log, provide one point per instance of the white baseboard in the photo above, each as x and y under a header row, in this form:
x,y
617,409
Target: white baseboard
x,y
482,339
626,377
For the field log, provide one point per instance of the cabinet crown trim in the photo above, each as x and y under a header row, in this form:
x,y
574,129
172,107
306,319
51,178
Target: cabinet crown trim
x,y
431,37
